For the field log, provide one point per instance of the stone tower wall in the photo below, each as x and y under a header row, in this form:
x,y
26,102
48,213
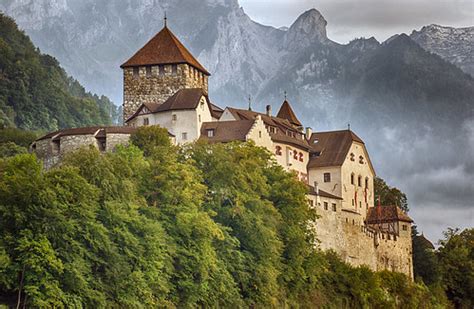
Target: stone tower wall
x,y
158,87
345,233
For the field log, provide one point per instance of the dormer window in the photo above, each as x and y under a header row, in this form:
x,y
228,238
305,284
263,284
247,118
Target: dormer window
x,y
316,141
210,133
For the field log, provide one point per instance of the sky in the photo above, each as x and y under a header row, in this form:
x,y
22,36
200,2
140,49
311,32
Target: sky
x,y
349,19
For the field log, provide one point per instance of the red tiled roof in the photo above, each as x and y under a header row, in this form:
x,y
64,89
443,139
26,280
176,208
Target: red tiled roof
x,y
383,214
332,147
286,112
226,131
164,48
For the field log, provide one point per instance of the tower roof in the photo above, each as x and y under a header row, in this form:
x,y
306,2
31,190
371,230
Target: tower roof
x,y
163,48
286,112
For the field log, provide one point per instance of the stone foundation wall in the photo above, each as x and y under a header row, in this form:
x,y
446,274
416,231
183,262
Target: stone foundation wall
x,y
345,233
158,87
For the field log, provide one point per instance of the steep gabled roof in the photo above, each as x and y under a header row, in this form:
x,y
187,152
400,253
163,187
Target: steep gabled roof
x,y
226,131
332,147
283,127
286,112
384,214
164,48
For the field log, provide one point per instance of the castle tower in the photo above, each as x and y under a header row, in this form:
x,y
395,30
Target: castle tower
x,y
158,70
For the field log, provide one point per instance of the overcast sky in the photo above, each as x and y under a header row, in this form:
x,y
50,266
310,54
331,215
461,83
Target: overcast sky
x,y
348,19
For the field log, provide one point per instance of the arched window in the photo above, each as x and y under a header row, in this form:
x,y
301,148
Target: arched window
x,y
367,182
352,178
295,155
278,150
352,156
359,181
301,157
361,159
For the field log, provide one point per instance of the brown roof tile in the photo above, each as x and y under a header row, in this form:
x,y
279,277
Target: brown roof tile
x,y
164,48
101,131
283,126
332,147
286,112
226,131
383,214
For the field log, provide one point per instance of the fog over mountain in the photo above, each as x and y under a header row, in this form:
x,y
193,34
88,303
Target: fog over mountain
x,y
406,97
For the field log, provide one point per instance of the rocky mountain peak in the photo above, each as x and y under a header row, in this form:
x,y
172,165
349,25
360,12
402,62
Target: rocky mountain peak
x,y
309,28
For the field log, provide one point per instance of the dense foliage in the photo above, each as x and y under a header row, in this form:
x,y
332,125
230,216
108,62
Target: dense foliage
x,y
388,195
36,93
161,226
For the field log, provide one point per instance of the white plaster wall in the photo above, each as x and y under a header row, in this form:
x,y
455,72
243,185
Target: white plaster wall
x,y
334,187
365,198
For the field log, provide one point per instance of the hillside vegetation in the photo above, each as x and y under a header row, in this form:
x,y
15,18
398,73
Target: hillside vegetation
x,y
154,225
36,93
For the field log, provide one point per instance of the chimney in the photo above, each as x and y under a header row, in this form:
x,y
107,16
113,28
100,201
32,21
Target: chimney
x,y
309,132
269,110
316,188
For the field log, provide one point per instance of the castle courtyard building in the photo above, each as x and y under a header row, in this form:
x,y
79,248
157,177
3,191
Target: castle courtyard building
x,y
165,85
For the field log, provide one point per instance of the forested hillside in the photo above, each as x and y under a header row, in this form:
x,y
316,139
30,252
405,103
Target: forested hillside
x,y
154,225
37,94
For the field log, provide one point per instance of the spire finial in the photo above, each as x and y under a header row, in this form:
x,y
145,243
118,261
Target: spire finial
x,y
286,95
166,20
349,126
250,103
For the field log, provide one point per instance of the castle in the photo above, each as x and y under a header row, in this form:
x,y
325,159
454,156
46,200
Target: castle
x,y
165,85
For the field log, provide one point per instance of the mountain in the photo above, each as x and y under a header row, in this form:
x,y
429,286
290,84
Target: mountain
x,y
407,100
455,45
36,93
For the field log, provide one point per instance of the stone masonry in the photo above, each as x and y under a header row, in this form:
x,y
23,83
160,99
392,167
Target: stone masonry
x,y
158,85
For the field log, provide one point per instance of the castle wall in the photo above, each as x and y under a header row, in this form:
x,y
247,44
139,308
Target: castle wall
x,y
178,122
334,186
357,197
112,140
344,232
158,86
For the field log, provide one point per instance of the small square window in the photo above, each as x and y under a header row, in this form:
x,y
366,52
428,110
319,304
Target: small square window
x,y
184,136
405,227
148,71
146,121
334,207
210,133
327,177
174,117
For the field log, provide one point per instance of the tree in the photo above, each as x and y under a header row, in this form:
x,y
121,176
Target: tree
x,y
389,195
456,260
149,137
425,262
